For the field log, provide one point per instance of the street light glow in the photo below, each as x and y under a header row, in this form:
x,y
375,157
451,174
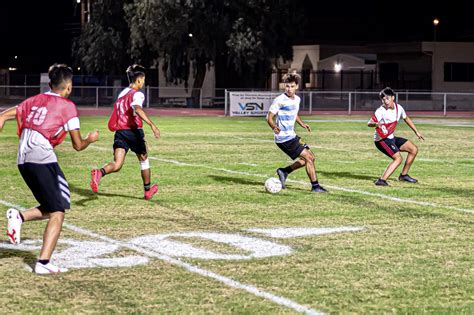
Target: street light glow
x,y
435,22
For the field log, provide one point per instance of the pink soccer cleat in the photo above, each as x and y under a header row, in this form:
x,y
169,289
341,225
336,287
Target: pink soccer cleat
x,y
96,175
153,190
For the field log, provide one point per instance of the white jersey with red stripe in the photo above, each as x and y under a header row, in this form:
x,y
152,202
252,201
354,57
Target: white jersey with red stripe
x,y
389,117
43,121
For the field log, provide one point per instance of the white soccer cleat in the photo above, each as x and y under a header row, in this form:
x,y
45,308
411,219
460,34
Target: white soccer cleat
x,y
14,226
49,268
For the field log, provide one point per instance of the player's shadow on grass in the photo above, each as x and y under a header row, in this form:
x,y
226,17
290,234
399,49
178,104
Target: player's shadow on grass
x,y
28,257
89,195
237,180
347,175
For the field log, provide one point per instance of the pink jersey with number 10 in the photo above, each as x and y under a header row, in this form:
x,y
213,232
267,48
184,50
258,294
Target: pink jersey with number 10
x,y
47,114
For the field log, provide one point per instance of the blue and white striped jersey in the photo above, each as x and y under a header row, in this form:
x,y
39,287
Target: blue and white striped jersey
x,y
286,110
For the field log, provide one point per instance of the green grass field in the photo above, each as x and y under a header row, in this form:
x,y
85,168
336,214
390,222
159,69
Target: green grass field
x,y
195,248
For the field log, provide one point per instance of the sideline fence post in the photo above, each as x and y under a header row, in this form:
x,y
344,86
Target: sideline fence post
x,y
310,102
200,98
225,102
147,96
350,96
444,105
97,97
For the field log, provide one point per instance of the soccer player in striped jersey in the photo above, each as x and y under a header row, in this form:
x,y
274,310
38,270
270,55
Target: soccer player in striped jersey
x,y
285,108
43,122
385,121
127,123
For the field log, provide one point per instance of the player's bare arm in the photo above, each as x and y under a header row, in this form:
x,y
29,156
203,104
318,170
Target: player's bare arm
x,y
302,123
8,114
78,143
411,124
271,122
141,113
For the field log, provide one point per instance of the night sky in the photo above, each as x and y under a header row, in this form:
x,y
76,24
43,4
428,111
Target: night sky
x,y
42,34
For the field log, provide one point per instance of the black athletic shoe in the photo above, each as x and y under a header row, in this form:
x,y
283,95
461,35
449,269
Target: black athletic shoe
x,y
318,189
282,175
381,182
407,178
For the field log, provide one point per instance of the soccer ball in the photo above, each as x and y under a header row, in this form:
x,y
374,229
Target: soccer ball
x,y
273,185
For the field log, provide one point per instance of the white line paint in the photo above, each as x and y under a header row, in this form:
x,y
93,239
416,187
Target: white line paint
x,y
442,123
298,232
248,164
355,191
203,272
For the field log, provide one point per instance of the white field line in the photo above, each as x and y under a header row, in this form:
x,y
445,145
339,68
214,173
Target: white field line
x,y
355,191
203,272
417,121
362,192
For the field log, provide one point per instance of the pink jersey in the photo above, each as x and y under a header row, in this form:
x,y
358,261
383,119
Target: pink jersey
x,y
46,114
123,117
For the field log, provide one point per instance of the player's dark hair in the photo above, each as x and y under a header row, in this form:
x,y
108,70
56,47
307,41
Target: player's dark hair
x,y
59,74
386,92
135,71
291,77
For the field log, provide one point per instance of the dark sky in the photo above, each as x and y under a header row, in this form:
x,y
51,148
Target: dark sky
x,y
41,32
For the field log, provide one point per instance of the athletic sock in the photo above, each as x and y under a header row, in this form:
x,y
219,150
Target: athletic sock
x,y
22,217
102,170
43,261
147,186
314,184
287,170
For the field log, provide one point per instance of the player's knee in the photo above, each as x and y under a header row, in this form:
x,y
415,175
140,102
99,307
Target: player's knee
x,y
144,165
398,160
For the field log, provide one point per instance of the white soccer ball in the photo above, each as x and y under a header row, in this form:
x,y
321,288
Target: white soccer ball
x,y
273,185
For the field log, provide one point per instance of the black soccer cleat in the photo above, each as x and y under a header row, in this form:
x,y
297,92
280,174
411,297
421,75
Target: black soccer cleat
x,y
318,189
282,175
407,178
381,182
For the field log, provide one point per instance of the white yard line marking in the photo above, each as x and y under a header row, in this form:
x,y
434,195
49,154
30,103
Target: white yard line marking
x,y
417,121
362,192
203,272
355,191
248,164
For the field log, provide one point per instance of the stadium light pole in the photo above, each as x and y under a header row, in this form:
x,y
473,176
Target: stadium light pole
x,y
435,26
433,74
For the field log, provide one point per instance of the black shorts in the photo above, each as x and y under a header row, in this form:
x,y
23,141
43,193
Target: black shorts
x,y
390,146
48,185
133,139
293,147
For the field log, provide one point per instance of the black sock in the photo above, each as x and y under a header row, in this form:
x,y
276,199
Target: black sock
x,y
315,184
102,170
22,217
43,261
147,186
287,170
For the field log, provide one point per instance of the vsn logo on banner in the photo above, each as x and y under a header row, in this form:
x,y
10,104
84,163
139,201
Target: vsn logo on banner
x,y
250,103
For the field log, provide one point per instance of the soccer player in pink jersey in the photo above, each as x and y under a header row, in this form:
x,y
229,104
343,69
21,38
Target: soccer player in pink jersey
x,y
127,122
385,120
43,122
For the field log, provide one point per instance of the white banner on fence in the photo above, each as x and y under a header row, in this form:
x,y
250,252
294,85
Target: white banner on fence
x,y
251,103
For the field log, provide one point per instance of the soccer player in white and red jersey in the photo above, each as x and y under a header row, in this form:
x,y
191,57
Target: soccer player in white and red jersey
x,y
385,121
126,121
285,108
43,122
